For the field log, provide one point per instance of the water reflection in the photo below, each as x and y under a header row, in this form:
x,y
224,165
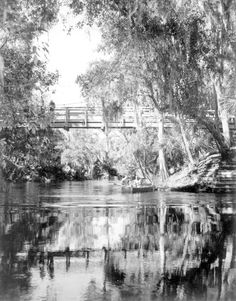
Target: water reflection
x,y
162,250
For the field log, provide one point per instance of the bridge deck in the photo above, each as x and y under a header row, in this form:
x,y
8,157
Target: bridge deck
x,y
82,117
92,118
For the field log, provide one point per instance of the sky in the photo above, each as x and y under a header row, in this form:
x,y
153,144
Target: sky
x,y
71,55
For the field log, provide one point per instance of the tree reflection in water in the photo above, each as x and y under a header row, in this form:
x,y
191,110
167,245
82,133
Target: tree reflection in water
x,y
171,252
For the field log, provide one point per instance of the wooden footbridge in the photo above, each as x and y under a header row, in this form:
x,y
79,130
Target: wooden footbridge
x,y
92,118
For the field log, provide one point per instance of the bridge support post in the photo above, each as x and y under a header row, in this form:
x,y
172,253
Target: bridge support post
x,y
123,122
86,119
67,118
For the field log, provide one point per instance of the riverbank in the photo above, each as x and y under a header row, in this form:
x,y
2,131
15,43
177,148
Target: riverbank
x,y
211,174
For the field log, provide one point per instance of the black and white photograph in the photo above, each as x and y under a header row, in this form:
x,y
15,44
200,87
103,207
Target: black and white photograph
x,y
117,150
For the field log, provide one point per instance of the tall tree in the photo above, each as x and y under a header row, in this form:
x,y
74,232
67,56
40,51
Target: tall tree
x,y
175,47
24,79
101,86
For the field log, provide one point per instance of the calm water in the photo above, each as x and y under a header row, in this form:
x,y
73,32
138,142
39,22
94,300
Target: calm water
x,y
88,241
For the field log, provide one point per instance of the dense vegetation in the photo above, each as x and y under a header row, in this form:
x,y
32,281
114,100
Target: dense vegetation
x,y
177,57
27,143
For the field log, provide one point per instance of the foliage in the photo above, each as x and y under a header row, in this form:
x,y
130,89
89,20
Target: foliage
x,y
30,156
102,86
25,84
172,48
83,155
25,91
175,56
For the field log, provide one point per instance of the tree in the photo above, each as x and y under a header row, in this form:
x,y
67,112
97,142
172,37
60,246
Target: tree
x,y
101,86
23,77
174,50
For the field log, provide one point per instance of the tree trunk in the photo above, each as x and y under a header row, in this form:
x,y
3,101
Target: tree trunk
x,y
3,21
222,146
105,129
217,120
185,140
138,117
3,183
1,75
225,125
162,162
107,142
223,115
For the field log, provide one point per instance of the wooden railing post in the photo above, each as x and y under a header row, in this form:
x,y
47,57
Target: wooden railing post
x,y
67,117
123,121
86,118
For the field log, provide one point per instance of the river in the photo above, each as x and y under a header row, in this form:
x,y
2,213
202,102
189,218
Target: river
x,y
88,241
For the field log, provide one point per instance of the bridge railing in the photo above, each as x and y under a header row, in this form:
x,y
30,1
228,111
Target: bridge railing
x,y
93,117
83,116
74,113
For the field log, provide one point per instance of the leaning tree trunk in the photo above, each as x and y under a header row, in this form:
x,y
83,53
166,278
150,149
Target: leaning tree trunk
x,y
222,146
223,115
225,125
185,141
162,161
